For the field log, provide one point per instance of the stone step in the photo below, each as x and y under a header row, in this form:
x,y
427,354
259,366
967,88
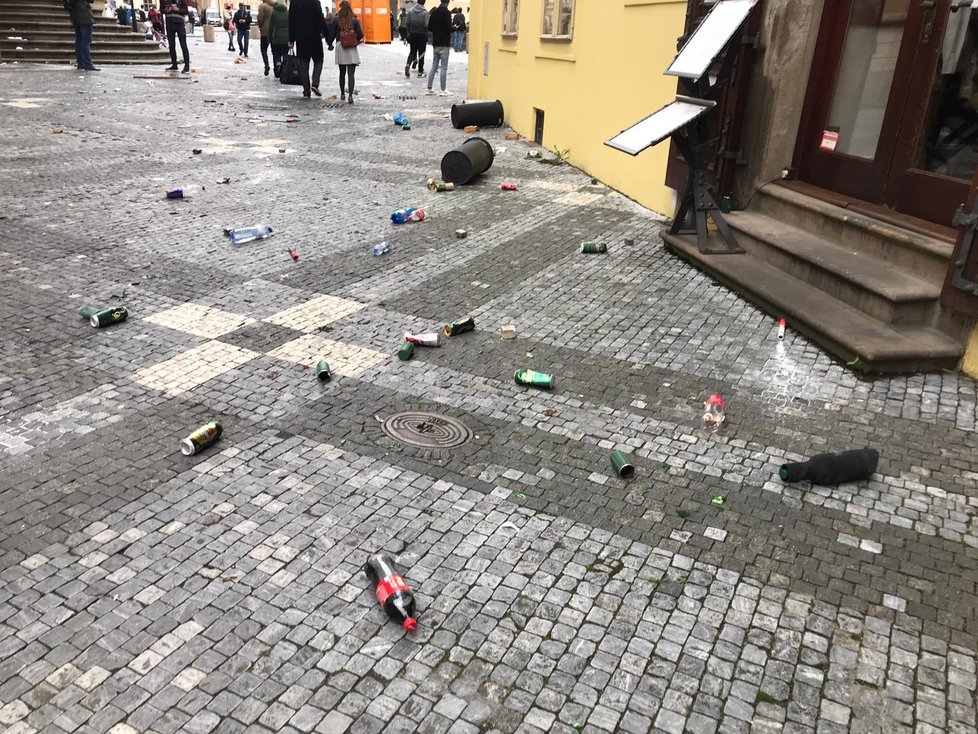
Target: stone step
x,y
891,294
62,56
111,44
61,35
853,336
25,28
926,256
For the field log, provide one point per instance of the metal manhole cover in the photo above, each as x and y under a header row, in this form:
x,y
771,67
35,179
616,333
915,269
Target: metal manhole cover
x,y
427,430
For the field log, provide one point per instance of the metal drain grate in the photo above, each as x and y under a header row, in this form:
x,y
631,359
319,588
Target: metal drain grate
x,y
427,430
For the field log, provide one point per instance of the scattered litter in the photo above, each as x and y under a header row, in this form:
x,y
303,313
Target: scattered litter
x,y
323,373
274,118
510,526
440,186
406,351
461,233
239,60
400,120
159,76
508,186
831,469
713,411
520,496
86,312
507,331
622,466
294,254
782,325
381,248
183,192
682,513
593,248
534,154
109,316
281,150
392,592
57,130
534,378
719,500
332,96
376,96
201,438
471,129
247,234
459,327
197,151
594,182
225,180
512,135
410,214
429,339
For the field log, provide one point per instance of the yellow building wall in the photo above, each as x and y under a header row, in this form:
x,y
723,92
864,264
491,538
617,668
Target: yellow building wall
x,y
590,88
969,365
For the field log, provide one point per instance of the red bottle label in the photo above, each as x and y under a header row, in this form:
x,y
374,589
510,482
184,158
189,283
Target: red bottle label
x,y
390,585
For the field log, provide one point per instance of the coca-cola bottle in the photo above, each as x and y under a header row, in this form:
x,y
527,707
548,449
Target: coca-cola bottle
x,y
392,591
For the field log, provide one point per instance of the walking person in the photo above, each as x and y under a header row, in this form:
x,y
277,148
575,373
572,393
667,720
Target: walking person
x,y
229,27
264,17
402,26
347,34
176,12
278,34
242,23
307,27
82,20
417,30
440,25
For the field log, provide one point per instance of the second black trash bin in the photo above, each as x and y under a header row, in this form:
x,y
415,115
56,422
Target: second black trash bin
x,y
471,158
484,113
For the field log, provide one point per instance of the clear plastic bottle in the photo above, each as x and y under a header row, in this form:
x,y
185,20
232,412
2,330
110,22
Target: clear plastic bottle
x,y
381,248
183,192
713,411
247,234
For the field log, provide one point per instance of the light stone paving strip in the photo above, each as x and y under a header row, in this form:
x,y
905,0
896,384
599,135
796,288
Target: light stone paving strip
x,y
193,368
200,320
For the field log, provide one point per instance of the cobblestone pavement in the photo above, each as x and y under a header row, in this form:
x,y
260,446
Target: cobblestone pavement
x,y
148,591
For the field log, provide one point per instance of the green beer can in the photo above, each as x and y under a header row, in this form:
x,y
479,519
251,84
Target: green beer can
x,y
594,248
622,466
466,324
109,316
323,371
201,438
86,312
534,378
405,352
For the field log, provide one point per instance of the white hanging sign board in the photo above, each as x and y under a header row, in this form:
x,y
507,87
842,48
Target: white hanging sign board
x,y
659,125
708,40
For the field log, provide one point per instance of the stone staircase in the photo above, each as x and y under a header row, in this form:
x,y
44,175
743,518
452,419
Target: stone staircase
x,y
865,290
46,36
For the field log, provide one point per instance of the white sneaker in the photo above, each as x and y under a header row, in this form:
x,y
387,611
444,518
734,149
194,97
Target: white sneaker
x,y
430,91
444,93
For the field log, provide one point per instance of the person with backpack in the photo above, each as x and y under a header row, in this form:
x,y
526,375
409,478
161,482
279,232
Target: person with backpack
x,y
82,20
278,34
347,34
242,23
229,26
176,12
440,25
307,27
417,30
458,30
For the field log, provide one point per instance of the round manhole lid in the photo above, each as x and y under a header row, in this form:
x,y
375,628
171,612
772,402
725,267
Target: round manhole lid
x,y
427,430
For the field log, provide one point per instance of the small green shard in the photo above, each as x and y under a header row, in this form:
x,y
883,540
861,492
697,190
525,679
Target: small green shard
x,y
683,513
718,500
520,496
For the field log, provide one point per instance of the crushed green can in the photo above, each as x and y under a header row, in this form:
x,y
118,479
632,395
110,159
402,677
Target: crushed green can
x,y
534,378
86,312
323,371
594,248
109,316
405,352
458,327
201,438
622,466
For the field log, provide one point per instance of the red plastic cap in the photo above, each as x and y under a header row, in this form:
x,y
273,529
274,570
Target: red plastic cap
x,y
410,624
715,399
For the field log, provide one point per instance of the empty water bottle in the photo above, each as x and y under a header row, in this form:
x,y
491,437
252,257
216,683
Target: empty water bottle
x,y
400,119
247,234
183,192
381,248
402,215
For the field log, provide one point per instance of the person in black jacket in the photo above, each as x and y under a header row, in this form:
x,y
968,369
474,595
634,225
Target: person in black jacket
x,y
416,22
82,19
307,27
440,25
176,12
242,22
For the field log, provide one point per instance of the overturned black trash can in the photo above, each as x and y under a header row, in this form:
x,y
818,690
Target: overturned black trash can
x,y
484,113
467,161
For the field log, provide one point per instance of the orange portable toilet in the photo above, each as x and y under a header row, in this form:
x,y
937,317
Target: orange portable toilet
x,y
376,20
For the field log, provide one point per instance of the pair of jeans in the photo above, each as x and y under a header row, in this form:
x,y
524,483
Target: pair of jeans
x,y
458,40
230,40
177,28
243,35
419,43
265,43
317,71
278,53
439,59
83,45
